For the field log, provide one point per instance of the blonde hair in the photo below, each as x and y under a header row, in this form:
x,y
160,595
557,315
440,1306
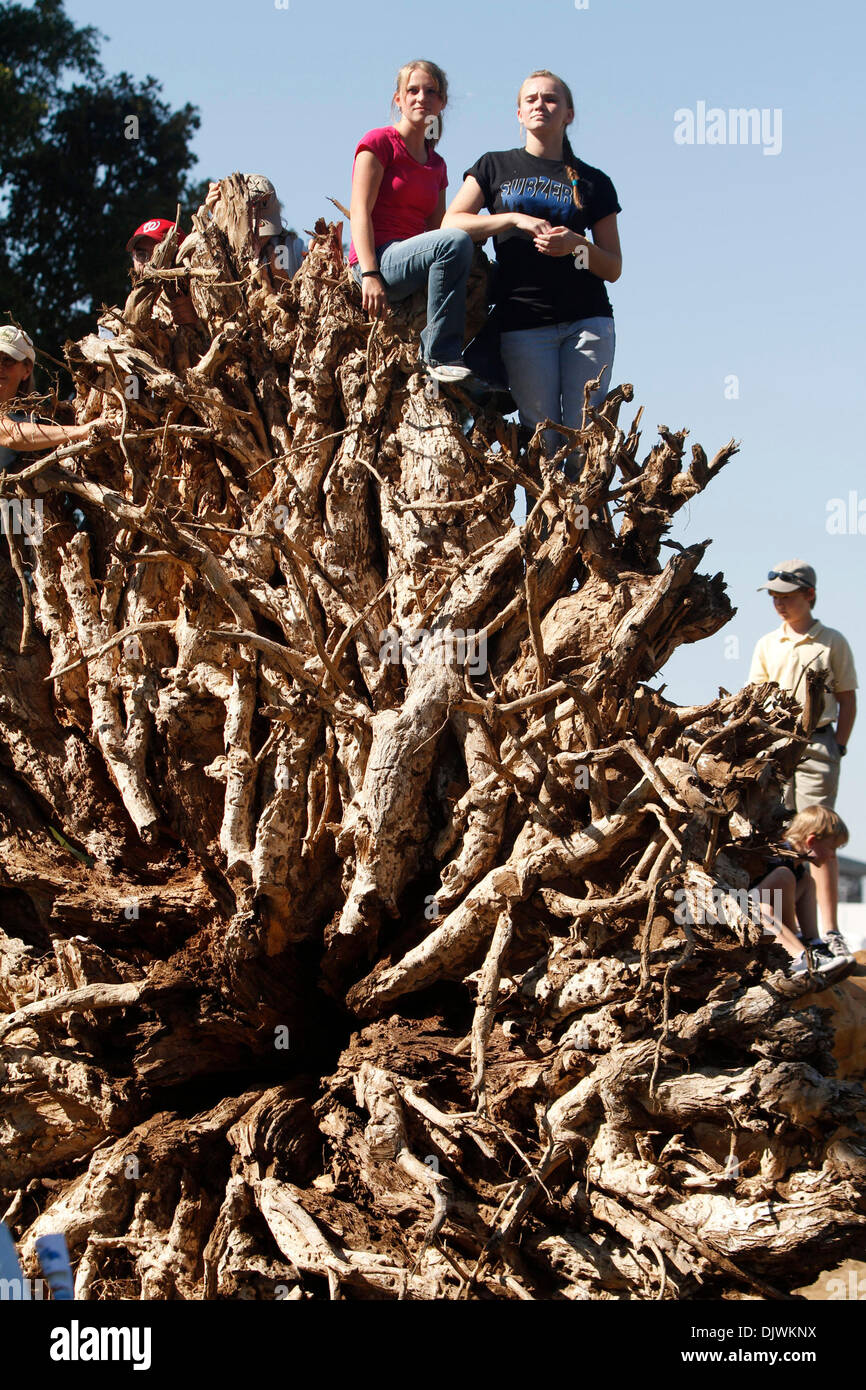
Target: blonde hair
x,y
819,821
568,155
432,70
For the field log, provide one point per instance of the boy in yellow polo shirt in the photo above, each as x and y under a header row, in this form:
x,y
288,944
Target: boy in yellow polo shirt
x,y
802,644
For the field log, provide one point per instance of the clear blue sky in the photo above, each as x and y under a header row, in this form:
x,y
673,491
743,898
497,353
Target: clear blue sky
x,y
736,263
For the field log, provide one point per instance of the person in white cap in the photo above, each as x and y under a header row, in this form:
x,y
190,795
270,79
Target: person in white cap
x,y
279,249
18,433
802,644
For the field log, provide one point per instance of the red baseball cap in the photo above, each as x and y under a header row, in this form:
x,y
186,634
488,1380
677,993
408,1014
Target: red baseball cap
x,y
154,229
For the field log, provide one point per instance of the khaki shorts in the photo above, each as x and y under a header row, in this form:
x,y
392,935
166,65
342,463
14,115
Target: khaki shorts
x,y
816,776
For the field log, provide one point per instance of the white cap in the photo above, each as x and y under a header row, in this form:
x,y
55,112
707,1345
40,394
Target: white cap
x,y
16,343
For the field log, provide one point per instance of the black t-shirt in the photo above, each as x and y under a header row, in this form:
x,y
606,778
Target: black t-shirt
x,y
793,860
533,290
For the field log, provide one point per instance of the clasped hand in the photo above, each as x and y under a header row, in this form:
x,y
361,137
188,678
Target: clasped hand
x,y
556,241
549,240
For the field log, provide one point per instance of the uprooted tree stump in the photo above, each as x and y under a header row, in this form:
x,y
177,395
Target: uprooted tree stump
x,y
372,927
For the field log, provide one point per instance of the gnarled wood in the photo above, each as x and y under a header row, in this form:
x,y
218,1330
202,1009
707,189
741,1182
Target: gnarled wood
x,y
372,927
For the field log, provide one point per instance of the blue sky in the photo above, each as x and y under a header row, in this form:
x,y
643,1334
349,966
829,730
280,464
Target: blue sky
x,y
737,264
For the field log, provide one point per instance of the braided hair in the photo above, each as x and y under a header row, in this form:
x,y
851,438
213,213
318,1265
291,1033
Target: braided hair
x,y
569,158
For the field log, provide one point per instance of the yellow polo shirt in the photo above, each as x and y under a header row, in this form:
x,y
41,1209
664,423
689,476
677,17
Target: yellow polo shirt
x,y
785,657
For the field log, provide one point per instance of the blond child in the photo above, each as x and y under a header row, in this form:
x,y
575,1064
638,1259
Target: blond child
x,y
813,837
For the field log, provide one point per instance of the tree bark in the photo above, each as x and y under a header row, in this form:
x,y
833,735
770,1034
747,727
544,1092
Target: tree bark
x,y
374,927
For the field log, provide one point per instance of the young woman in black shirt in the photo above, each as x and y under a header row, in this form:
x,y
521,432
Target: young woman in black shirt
x,y
552,306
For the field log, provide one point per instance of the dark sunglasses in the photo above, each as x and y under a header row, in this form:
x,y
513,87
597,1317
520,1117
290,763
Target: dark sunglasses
x,y
788,578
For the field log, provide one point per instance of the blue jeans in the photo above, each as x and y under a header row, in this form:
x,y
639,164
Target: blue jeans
x,y
441,260
548,368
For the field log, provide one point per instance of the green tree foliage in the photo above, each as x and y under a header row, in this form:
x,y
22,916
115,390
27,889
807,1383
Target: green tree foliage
x,y
84,158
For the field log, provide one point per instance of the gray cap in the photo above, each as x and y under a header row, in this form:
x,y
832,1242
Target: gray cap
x,y
268,217
789,576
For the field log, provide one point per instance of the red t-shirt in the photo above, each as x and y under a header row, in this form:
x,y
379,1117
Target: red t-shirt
x,y
409,191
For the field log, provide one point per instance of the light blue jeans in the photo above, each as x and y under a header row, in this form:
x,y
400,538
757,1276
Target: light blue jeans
x,y
549,367
441,260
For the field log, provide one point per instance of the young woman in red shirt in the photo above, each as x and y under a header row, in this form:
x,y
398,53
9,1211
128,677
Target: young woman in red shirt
x,y
398,201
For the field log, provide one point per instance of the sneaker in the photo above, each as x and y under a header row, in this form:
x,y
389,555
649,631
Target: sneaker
x,y
820,952
836,969
794,980
798,966
820,966
447,371
835,943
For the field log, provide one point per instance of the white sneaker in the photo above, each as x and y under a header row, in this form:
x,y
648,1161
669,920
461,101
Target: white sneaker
x,y
447,371
823,968
799,965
